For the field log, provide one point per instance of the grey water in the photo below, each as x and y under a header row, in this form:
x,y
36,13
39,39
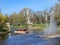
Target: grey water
x,y
51,28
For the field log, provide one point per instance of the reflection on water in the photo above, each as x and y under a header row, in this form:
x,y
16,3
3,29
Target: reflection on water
x,y
4,36
27,40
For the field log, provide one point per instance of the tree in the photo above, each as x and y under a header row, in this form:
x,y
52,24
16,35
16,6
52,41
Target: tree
x,y
57,13
24,12
13,18
21,18
3,20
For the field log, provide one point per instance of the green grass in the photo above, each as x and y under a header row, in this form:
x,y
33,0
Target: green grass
x,y
39,25
58,26
3,30
20,26
23,26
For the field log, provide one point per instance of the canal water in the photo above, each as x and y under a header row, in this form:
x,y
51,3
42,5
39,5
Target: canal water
x,y
27,39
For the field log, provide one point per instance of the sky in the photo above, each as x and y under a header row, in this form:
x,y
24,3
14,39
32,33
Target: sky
x,y
11,6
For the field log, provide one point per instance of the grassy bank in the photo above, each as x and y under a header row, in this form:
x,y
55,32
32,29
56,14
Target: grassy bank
x,y
40,27
3,29
19,26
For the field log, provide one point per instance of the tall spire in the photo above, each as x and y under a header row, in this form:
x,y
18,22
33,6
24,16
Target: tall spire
x,y
28,20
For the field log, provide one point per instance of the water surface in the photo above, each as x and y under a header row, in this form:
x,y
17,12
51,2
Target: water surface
x,y
28,39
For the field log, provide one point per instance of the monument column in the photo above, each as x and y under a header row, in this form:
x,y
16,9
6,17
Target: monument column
x,y
8,25
29,24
